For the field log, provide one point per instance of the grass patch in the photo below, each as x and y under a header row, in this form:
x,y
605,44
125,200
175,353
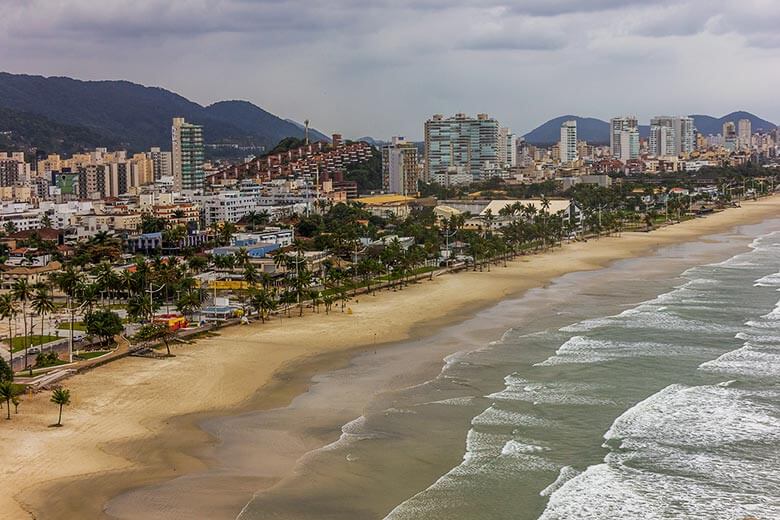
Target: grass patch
x,y
92,355
77,325
18,342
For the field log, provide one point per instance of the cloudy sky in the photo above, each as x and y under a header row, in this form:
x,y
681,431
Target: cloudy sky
x,y
381,67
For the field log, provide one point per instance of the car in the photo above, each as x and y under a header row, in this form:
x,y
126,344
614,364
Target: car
x,y
34,350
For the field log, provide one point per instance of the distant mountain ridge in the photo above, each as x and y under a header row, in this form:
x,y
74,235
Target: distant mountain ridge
x,y
596,131
127,114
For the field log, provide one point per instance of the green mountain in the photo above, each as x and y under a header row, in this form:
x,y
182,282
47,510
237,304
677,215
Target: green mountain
x,y
134,116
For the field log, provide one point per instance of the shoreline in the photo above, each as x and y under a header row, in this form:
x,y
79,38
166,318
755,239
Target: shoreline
x,y
150,438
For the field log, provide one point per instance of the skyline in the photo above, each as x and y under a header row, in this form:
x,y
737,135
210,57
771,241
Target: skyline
x,y
383,69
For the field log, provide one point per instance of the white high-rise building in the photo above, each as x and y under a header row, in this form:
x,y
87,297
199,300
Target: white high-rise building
x,y
629,145
677,139
568,143
617,126
507,148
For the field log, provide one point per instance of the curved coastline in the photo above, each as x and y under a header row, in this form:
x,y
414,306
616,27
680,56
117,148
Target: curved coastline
x,y
153,433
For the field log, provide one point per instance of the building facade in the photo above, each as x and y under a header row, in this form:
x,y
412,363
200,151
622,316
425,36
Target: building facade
x,y
568,143
460,142
677,139
187,155
400,171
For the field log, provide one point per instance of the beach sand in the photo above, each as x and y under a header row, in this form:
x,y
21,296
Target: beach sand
x,y
134,422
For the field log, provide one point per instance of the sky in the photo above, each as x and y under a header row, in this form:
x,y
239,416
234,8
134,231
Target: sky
x,y
381,67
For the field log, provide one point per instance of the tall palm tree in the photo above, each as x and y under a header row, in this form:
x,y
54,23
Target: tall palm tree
x,y
61,397
43,304
22,292
7,393
8,311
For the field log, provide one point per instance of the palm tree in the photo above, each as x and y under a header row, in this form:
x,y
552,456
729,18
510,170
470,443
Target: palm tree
x,y
7,393
61,397
8,311
43,304
22,292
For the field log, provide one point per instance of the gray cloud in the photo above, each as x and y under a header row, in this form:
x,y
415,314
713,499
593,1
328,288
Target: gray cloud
x,y
382,66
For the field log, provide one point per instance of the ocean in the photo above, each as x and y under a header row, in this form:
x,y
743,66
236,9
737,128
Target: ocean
x,y
649,389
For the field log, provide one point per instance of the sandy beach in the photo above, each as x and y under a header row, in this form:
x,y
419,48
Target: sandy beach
x,y
134,422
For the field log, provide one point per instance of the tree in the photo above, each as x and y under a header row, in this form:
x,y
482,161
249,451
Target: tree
x,y
7,393
103,323
157,332
189,302
22,292
8,311
6,374
43,304
61,397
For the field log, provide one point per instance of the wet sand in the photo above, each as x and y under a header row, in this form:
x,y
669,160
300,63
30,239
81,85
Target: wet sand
x,y
135,422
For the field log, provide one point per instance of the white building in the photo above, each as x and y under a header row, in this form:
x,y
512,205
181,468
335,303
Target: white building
x,y
677,138
568,142
619,125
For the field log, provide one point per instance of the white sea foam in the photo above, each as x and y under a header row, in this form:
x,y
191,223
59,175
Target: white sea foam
x,y
700,416
554,392
749,360
514,447
494,416
567,473
580,349
683,454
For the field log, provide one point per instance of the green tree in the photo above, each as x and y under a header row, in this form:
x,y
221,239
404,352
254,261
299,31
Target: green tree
x,y
157,332
22,292
61,397
103,323
42,303
7,393
6,374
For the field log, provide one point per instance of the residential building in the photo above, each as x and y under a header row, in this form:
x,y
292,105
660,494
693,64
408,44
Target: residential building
x,y
744,133
162,165
730,137
507,148
567,146
677,139
460,142
400,172
187,155
617,126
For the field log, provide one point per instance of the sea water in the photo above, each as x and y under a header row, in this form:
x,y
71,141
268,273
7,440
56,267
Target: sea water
x,y
647,390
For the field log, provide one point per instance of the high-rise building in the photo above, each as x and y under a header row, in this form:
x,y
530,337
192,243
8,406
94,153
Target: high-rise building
x,y
400,172
568,143
629,145
161,162
507,148
677,139
618,125
730,138
744,133
187,155
470,144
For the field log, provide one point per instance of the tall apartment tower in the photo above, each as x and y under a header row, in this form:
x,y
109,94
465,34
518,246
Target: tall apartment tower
x,y
400,172
462,142
730,138
744,133
161,162
507,148
618,125
671,136
568,143
187,155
